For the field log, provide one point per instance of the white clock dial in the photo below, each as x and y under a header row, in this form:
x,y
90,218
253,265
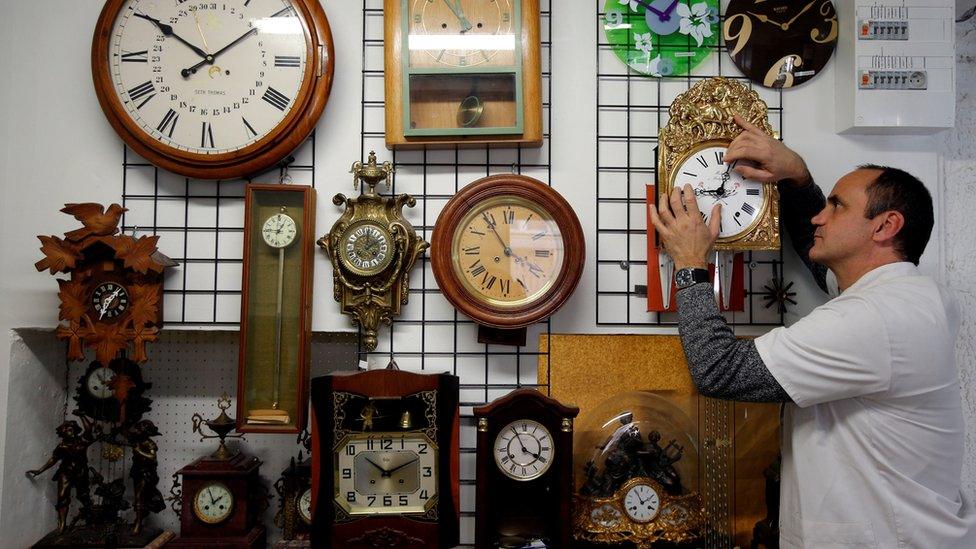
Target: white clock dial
x,y
305,506
742,200
366,248
279,230
642,503
99,382
386,473
523,449
213,503
208,77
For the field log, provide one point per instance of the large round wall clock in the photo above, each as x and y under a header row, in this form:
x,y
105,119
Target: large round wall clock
x,y
783,43
507,251
213,90
661,37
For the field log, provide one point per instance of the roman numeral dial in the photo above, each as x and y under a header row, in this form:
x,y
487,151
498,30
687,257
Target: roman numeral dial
x,y
523,450
507,251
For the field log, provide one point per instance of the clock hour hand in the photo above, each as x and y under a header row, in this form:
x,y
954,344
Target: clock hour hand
x,y
763,19
458,12
382,470
209,59
168,31
647,6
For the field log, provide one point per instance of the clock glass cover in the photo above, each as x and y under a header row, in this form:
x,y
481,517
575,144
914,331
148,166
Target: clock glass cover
x,y
781,43
661,37
386,473
714,182
523,449
213,503
507,252
279,230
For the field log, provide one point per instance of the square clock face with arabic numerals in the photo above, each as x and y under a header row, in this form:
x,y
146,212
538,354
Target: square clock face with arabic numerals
x,y
661,37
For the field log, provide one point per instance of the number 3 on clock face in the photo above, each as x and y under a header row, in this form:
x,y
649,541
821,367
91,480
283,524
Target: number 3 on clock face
x,y
714,182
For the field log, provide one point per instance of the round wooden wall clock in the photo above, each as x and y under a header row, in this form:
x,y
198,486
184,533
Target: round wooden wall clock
x,y
213,90
507,251
783,43
661,37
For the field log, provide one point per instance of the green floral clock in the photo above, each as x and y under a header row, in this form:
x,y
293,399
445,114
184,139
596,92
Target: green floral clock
x,y
661,37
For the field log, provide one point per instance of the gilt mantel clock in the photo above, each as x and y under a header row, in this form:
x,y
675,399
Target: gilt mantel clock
x,y
385,467
524,471
213,90
114,297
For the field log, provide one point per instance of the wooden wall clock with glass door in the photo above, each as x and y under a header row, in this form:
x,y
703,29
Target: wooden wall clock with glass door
x,y
213,90
462,72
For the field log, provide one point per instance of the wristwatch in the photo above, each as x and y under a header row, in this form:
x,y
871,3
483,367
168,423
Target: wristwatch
x,y
689,277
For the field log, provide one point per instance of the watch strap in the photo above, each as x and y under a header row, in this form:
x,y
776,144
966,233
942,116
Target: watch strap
x,y
689,277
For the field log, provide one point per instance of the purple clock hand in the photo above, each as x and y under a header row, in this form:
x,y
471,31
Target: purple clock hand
x,y
671,8
651,8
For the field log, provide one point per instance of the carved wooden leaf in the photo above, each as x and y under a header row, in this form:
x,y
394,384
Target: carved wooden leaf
x,y
74,304
136,254
74,334
59,256
108,340
145,304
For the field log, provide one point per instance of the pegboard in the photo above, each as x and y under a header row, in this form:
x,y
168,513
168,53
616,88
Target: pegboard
x,y
201,227
430,335
631,110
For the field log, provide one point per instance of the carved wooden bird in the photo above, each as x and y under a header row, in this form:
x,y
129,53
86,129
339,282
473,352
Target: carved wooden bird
x,y
95,219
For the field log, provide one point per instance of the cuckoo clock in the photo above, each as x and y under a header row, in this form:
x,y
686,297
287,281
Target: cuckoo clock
x,y
112,300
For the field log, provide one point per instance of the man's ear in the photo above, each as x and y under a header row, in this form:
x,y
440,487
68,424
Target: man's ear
x,y
887,226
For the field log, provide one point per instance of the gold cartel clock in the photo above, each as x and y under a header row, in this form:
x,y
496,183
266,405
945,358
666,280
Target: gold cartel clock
x,y
507,251
462,71
213,90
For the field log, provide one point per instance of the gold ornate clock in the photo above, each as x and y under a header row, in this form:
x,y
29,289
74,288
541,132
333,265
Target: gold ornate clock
x,y
213,90
462,72
507,251
372,248
691,151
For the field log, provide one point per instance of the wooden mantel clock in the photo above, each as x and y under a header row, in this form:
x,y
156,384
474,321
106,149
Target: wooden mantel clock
x,y
113,299
507,251
691,151
524,471
385,468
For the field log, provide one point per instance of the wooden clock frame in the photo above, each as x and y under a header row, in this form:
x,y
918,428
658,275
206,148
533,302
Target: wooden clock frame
x,y
306,239
255,158
529,91
499,323
385,530
551,493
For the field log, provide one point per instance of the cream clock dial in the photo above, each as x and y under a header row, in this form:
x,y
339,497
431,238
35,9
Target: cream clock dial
x,y
213,503
523,449
462,33
99,382
642,503
393,473
508,252
366,248
743,201
208,77
305,506
279,230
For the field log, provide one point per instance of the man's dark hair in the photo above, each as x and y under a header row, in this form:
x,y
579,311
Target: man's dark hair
x,y
900,191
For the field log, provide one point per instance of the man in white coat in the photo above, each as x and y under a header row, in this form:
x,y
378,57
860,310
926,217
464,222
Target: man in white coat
x,y
872,426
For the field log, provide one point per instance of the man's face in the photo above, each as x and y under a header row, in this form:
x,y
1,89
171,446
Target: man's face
x,y
842,231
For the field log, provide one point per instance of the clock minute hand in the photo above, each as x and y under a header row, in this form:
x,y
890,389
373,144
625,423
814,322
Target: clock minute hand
x,y
398,467
649,7
763,19
168,31
801,12
211,58
459,13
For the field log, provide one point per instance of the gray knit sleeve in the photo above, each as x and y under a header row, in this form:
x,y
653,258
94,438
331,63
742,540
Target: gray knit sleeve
x,y
722,366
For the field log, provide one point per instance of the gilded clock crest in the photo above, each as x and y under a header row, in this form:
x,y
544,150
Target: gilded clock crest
x,y
372,248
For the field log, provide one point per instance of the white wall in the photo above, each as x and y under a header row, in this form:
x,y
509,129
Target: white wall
x,y
56,147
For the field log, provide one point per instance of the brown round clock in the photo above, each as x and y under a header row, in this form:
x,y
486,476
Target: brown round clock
x,y
507,251
781,43
213,90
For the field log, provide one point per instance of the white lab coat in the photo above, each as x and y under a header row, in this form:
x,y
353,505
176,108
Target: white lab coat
x,y
873,446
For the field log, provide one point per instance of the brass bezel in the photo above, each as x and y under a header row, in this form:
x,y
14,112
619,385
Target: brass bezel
x,y
505,471
199,514
344,257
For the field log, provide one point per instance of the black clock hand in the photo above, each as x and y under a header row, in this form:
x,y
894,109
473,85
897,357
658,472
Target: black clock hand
x,y
398,467
506,248
168,31
382,470
524,449
211,58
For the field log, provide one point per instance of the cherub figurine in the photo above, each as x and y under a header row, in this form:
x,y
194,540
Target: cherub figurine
x,y
147,497
72,473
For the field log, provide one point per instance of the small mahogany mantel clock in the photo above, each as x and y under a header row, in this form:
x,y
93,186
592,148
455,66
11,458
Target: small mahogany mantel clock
x,y
385,468
524,471
114,296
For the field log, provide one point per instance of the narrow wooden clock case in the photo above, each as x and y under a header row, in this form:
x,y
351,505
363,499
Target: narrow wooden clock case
x,y
242,528
390,531
546,499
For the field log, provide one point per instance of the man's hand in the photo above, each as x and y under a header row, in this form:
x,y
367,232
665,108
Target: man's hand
x,y
773,160
682,228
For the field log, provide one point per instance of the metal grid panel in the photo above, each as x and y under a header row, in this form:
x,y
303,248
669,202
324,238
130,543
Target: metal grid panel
x,y
631,110
430,335
201,227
